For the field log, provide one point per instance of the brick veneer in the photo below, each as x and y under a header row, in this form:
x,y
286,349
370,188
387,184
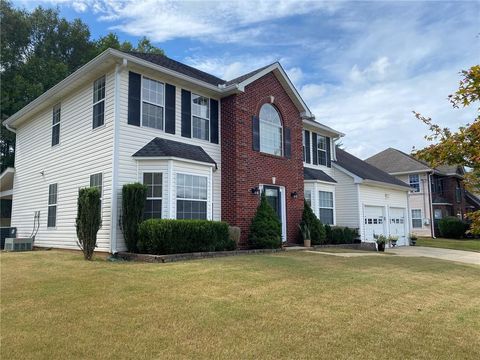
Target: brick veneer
x,y
243,168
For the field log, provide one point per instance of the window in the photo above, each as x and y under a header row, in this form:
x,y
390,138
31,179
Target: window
x,y
437,214
308,197
326,207
437,185
322,150
96,181
153,95
270,130
191,197
153,205
304,150
414,181
52,206
200,117
416,218
99,102
56,125
458,193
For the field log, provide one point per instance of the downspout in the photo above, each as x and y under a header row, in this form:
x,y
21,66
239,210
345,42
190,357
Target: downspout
x,y
432,218
115,155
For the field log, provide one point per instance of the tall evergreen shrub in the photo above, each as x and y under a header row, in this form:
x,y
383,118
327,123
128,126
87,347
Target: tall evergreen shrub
x,y
317,230
265,229
133,205
88,220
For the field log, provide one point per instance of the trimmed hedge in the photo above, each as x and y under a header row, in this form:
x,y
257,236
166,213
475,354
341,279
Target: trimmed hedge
x,y
452,227
133,204
265,229
160,237
340,235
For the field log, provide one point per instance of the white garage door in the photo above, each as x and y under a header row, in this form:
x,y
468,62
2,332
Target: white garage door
x,y
373,222
397,225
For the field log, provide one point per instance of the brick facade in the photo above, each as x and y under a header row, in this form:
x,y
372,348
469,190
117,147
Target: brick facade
x,y
243,168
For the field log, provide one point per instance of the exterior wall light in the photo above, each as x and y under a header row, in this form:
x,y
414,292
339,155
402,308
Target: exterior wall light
x,y
255,190
294,195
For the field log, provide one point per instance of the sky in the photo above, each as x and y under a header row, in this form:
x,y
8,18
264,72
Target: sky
x,y
362,67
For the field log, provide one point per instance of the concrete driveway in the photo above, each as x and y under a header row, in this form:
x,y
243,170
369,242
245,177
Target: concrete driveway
x,y
467,257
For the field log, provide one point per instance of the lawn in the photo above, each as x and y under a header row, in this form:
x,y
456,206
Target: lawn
x,y
469,245
290,305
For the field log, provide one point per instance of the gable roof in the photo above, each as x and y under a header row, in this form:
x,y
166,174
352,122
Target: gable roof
x,y
450,170
163,148
394,161
314,174
364,170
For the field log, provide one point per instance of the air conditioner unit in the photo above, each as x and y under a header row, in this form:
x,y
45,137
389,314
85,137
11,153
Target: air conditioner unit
x,y
18,244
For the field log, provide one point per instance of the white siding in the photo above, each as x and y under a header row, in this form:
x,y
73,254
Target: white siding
x,y
133,138
81,153
346,197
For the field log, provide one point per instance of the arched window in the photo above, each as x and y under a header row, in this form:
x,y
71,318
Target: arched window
x,y
270,130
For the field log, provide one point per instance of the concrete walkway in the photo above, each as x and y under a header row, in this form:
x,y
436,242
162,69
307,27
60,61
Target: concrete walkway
x,y
347,254
467,257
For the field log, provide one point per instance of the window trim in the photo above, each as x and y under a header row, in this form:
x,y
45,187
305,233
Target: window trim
x,y
207,200
99,101
417,218
309,191
281,127
319,136
304,147
411,184
155,198
192,116
59,105
101,191
329,208
52,205
151,103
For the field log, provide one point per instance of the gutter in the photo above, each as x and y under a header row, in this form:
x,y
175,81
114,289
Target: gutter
x,y
9,128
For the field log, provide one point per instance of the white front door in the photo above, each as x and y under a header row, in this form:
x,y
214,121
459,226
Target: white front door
x,y
374,222
397,225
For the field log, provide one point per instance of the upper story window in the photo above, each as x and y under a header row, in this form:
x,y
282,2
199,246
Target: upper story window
x,y
52,206
153,204
322,150
437,185
270,130
99,102
56,125
414,181
200,117
153,100
458,193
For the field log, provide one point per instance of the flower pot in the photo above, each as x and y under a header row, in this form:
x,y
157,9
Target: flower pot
x,y
394,243
413,242
381,247
307,243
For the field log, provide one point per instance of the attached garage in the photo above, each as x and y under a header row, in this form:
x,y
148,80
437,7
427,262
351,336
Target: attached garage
x,y
374,221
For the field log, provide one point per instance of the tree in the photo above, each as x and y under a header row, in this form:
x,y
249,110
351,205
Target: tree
x,y
266,229
317,230
461,147
88,220
133,205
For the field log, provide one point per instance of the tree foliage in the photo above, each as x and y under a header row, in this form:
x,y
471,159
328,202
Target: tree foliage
x,y
39,49
265,229
461,147
317,230
133,205
88,220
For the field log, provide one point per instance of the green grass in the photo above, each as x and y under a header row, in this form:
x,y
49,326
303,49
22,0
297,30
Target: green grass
x,y
469,245
54,305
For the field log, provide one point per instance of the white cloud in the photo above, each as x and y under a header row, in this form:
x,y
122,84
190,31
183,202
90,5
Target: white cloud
x,y
296,75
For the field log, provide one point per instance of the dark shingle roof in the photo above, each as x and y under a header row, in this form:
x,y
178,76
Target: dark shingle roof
x,y
168,148
364,170
246,76
314,174
395,161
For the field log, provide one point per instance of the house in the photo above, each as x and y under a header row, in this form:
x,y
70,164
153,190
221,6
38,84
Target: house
x,y
436,192
205,147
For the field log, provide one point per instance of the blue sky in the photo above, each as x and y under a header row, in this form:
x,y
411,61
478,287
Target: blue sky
x,y
362,67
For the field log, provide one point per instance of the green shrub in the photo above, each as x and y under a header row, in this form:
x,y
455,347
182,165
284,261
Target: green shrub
x,y
88,220
349,235
340,235
162,236
133,206
317,230
265,229
452,227
328,234
337,235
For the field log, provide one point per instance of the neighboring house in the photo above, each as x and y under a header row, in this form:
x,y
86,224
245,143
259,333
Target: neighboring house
x,y
435,194
6,192
370,200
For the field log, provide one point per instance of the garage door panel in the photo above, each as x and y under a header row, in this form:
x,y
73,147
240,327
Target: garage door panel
x,y
397,224
374,222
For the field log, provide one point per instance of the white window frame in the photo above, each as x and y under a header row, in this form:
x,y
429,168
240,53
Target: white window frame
x,y
304,148
192,199
200,117
412,184
56,124
99,101
309,196
321,150
271,125
152,103
155,197
328,208
52,205
417,218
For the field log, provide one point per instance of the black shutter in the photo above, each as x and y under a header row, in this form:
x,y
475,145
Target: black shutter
x,y
287,146
169,109
329,160
314,148
256,133
214,121
186,113
307,146
134,86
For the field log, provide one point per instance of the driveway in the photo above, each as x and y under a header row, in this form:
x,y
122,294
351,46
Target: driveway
x,y
467,257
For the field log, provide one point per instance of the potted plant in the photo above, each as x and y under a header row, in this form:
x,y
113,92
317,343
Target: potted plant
x,y
413,239
307,240
393,240
380,240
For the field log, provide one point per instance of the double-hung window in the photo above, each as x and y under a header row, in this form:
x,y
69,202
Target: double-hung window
x,y
200,117
153,204
322,150
99,102
326,207
56,125
304,149
96,180
191,196
416,218
52,206
414,181
153,102
308,197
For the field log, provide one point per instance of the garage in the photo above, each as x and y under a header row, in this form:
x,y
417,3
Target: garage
x,y
397,225
374,221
